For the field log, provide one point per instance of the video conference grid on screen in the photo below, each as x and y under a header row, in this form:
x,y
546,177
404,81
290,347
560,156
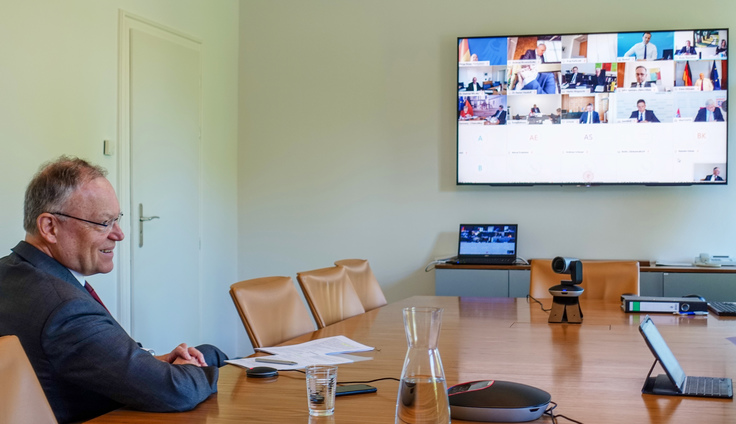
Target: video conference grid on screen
x,y
490,240
569,109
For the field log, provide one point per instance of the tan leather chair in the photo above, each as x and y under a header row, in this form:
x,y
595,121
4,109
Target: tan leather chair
x,y
330,295
271,309
606,280
365,283
22,399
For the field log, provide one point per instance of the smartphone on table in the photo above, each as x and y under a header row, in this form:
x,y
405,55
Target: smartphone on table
x,y
354,389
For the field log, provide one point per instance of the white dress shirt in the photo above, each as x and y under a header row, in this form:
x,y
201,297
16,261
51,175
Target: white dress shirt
x,y
638,51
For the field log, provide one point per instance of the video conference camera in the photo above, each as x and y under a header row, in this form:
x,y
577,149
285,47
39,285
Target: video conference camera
x,y
565,305
572,266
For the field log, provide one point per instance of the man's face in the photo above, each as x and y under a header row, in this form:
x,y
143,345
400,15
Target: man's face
x,y
475,80
541,49
575,70
84,247
641,75
716,171
688,43
646,38
641,106
711,107
589,108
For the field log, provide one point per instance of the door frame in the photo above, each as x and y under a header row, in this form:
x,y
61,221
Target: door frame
x,y
127,22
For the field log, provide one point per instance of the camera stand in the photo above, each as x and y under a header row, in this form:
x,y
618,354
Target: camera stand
x,y
566,309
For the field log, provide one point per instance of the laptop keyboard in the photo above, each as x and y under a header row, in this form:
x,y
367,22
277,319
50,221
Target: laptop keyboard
x,y
723,308
709,386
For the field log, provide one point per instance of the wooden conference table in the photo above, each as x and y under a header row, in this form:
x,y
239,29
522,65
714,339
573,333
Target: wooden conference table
x,y
594,370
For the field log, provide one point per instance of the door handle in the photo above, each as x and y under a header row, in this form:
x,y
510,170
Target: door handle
x,y
141,220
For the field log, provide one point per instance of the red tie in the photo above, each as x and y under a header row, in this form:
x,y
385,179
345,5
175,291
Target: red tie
x,y
701,85
94,295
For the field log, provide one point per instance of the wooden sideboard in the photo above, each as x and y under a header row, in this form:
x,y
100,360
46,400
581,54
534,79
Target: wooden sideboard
x,y
715,284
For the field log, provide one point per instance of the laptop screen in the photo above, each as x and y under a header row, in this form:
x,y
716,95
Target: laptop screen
x,y
662,352
487,240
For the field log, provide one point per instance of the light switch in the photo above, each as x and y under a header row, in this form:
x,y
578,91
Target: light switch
x,y
107,148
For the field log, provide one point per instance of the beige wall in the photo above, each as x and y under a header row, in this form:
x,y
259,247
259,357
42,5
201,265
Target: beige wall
x,y
343,112
58,95
347,143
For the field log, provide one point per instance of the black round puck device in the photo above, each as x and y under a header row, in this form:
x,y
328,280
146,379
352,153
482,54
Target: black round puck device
x,y
261,372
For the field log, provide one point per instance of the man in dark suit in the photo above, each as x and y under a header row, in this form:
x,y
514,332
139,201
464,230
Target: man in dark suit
x,y
556,117
537,53
85,361
598,82
474,86
574,77
715,176
600,77
642,76
500,115
641,114
687,49
710,113
590,116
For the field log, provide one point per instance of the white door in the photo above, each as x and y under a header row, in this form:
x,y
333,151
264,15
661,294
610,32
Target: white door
x,y
164,132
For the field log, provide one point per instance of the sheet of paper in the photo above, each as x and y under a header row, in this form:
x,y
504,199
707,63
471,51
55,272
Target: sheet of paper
x,y
326,346
327,351
301,361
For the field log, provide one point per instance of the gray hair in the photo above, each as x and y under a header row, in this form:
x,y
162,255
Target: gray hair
x,y
53,184
710,102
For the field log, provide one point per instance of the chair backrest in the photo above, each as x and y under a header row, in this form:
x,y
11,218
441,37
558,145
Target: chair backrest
x,y
330,294
22,399
271,309
365,283
606,280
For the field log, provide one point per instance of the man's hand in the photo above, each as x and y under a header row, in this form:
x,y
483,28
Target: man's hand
x,y
184,355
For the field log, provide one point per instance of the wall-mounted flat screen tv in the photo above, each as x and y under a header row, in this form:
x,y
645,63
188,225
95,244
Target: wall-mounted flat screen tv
x,y
647,107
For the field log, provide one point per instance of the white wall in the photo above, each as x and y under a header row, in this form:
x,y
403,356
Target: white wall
x,y
347,143
58,85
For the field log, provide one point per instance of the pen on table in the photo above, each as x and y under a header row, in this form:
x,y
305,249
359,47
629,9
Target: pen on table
x,y
275,361
691,313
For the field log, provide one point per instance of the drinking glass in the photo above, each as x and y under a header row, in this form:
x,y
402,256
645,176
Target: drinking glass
x,y
321,385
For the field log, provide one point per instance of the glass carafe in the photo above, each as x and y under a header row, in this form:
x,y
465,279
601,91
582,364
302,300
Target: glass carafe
x,y
422,394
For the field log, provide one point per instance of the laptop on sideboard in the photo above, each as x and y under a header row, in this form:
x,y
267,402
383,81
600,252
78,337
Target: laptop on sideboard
x,y
487,244
675,382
